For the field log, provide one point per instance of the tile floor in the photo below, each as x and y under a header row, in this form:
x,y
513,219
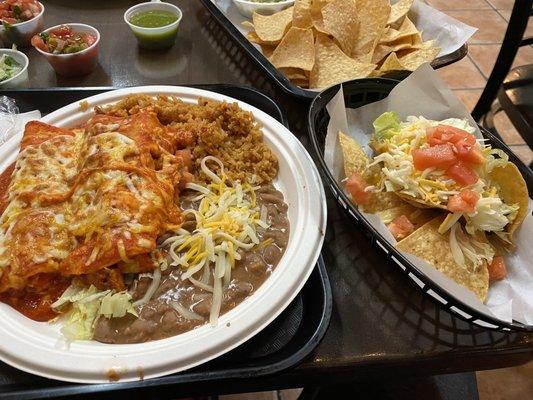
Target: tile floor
x,y
467,78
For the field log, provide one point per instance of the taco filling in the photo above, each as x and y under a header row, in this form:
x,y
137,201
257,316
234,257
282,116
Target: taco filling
x,y
436,185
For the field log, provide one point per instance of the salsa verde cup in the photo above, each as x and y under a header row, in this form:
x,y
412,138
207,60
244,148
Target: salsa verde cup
x,y
74,64
19,80
154,38
20,34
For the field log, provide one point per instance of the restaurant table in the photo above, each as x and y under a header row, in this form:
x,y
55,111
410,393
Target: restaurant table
x,y
382,325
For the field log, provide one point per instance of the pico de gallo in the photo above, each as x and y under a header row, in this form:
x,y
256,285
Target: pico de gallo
x,y
63,40
17,11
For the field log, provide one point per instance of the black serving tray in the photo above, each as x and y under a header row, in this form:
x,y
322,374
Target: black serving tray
x,y
358,93
278,77
284,343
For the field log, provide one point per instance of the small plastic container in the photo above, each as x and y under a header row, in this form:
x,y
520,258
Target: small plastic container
x,y
20,34
154,38
20,80
75,64
247,8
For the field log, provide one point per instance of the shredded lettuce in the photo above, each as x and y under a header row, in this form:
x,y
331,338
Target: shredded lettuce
x,y
87,305
459,124
491,215
466,248
386,125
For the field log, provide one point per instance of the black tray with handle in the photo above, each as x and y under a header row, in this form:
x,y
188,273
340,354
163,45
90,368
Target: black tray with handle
x,y
358,93
291,337
278,77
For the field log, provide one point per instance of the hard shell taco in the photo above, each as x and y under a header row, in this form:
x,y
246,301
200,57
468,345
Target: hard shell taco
x,y
445,196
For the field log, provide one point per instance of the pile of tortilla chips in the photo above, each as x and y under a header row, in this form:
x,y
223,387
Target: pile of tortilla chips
x,y
425,241
318,43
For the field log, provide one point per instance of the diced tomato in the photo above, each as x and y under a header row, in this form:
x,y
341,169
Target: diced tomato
x,y
439,156
356,187
9,20
39,43
88,38
469,154
441,134
462,174
62,32
463,202
463,143
401,227
497,269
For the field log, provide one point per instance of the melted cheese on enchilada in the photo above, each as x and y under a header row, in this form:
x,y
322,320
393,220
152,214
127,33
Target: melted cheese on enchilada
x,y
80,201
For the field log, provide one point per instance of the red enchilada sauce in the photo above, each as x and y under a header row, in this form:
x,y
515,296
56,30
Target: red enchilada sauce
x,y
32,303
5,180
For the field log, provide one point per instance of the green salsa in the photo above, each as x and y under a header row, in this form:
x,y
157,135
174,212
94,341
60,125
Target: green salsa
x,y
153,18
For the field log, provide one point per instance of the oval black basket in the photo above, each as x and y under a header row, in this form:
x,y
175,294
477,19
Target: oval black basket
x,y
358,93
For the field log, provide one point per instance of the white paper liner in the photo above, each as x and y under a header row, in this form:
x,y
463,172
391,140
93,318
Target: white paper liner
x,y
449,33
424,94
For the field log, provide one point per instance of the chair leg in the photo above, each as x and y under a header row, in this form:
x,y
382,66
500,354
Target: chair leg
x,y
511,43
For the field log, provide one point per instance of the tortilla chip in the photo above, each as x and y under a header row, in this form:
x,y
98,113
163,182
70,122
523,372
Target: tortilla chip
x,y
391,63
513,190
426,53
296,50
427,243
383,50
301,15
419,202
417,39
406,30
398,11
417,216
252,37
293,73
316,15
267,49
271,28
373,16
340,20
248,24
303,83
355,159
333,66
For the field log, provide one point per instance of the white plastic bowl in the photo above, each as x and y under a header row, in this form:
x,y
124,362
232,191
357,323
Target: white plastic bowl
x,y
20,34
154,38
247,8
39,348
74,64
21,79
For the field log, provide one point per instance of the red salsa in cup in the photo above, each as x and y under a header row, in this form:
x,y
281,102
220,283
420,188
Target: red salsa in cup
x,y
17,11
63,40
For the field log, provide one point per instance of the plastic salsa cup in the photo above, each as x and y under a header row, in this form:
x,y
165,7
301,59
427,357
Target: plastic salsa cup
x,y
74,64
154,37
21,33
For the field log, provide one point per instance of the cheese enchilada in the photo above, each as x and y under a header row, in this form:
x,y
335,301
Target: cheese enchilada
x,y
82,200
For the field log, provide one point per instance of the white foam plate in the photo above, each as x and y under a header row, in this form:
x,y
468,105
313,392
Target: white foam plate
x,y
39,348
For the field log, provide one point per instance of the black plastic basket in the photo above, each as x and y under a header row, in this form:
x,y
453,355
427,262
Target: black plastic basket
x,y
280,79
358,93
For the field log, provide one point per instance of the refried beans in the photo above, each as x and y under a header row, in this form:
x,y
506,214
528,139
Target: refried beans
x,y
157,319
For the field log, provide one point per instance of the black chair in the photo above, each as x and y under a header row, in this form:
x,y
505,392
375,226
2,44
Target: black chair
x,y
514,89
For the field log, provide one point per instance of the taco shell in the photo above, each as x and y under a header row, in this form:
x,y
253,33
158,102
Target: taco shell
x,y
427,243
417,216
513,190
356,160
